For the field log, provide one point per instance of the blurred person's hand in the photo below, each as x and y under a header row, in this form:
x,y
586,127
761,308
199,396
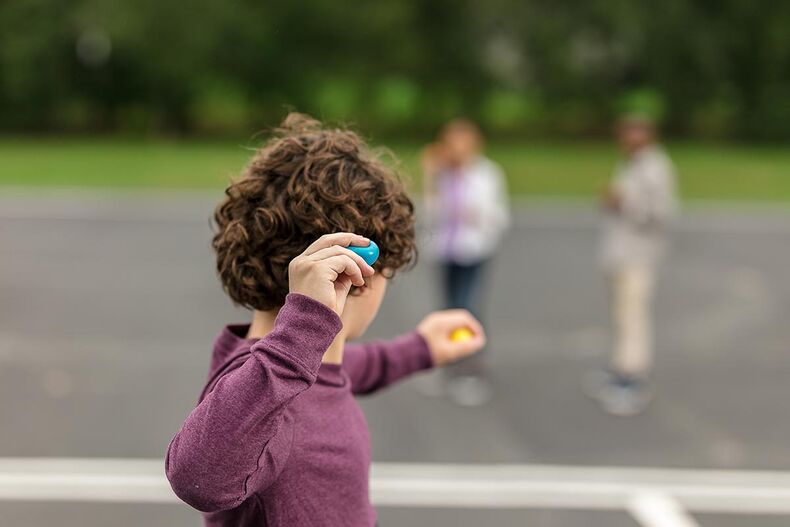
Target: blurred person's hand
x,y
432,159
437,327
611,199
327,269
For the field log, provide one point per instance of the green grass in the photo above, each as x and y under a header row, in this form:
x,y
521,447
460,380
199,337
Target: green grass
x,y
535,169
111,163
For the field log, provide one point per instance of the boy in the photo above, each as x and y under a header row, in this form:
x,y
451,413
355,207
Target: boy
x,y
277,438
639,206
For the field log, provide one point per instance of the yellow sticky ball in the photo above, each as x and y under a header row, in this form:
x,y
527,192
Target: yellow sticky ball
x,y
460,334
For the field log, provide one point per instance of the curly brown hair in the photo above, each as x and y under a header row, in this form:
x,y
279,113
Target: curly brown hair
x,y
306,181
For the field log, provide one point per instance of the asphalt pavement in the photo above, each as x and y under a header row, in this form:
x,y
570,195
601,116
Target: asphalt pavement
x,y
109,304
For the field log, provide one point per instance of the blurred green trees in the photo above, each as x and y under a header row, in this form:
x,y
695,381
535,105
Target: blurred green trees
x,y
712,69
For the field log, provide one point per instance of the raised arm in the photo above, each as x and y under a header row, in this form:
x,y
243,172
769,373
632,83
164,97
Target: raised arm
x,y
211,463
375,365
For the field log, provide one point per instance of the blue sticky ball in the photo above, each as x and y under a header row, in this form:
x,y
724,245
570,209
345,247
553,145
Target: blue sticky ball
x,y
370,253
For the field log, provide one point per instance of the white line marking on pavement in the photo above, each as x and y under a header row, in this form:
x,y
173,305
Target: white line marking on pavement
x,y
658,510
434,485
81,480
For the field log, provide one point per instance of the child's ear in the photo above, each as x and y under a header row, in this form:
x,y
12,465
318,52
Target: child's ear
x,y
358,290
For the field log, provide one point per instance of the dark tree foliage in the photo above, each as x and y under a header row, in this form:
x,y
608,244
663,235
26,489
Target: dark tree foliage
x,y
706,68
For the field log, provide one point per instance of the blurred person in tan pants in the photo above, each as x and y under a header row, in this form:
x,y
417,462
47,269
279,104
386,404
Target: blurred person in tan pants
x,y
638,205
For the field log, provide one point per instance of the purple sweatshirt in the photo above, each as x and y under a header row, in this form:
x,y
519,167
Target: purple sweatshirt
x,y
277,438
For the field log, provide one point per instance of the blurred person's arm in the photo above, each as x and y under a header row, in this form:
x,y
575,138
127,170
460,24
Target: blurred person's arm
x,y
610,198
501,201
375,365
431,164
490,205
211,463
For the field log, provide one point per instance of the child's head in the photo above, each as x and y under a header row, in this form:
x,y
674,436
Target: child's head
x,y
634,132
461,141
305,182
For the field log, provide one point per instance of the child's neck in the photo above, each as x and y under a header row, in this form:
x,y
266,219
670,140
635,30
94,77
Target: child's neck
x,y
263,323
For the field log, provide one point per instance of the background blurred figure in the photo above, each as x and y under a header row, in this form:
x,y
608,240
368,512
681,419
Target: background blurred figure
x,y
466,198
638,205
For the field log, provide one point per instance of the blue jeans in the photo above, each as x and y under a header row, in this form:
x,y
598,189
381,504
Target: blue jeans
x,y
463,286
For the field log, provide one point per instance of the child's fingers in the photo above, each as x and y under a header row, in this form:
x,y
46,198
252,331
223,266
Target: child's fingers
x,y
469,346
339,238
456,318
472,323
337,250
344,265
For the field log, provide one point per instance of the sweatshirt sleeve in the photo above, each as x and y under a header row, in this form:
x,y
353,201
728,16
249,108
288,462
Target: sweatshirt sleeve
x,y
235,442
493,201
375,365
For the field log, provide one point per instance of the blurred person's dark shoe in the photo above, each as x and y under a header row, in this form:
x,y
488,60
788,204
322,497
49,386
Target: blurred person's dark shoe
x,y
470,390
624,396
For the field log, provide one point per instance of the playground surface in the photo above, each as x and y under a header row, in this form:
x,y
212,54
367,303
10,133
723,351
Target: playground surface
x,y
109,304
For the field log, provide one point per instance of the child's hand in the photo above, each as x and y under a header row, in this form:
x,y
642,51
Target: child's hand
x,y
326,270
437,327
611,199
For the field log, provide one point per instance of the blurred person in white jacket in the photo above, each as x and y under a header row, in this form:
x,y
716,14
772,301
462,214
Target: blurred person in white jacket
x,y
466,200
639,205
